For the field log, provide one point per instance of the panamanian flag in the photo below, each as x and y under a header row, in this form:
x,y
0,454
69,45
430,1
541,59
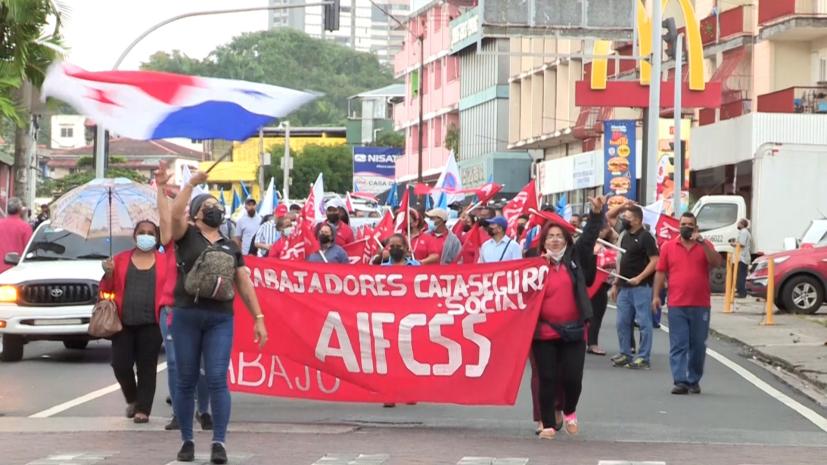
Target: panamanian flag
x,y
153,105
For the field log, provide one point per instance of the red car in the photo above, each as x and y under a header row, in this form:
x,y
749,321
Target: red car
x,y
800,278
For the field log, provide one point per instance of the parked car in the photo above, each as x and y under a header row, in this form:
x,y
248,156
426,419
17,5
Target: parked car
x,y
51,290
800,278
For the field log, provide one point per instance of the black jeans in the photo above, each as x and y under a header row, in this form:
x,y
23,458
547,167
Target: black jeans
x,y
137,347
599,303
559,364
741,283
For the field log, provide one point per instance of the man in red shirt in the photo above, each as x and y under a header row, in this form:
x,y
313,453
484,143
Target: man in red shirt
x,y
444,240
16,232
344,234
685,262
424,248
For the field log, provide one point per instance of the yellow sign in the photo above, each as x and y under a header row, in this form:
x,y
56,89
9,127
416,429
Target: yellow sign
x,y
695,49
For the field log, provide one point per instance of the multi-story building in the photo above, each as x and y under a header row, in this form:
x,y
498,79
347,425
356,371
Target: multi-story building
x,y
363,26
371,112
67,131
440,97
483,107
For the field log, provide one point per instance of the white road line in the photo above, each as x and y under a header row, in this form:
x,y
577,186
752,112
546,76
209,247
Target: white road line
x,y
85,398
492,461
361,459
623,462
796,406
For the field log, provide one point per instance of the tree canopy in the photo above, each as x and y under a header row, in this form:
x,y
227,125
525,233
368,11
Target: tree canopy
x,y
288,58
336,162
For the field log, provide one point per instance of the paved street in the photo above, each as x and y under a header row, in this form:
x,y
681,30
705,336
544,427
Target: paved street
x,y
625,416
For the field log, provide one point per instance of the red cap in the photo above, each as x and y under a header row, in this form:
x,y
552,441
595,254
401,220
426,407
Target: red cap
x,y
281,210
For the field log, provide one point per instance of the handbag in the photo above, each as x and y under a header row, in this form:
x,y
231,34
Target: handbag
x,y
570,332
105,321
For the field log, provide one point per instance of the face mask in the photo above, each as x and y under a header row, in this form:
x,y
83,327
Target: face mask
x,y
397,253
557,256
288,231
251,213
324,239
213,217
624,224
466,227
431,225
520,229
146,242
686,232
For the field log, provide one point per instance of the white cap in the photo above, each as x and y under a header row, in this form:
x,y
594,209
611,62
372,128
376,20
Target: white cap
x,y
335,202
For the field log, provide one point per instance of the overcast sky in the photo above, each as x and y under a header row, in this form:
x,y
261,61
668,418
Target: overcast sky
x,y
97,31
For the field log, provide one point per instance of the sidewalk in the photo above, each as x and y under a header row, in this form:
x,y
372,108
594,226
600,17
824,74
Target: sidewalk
x,y
796,343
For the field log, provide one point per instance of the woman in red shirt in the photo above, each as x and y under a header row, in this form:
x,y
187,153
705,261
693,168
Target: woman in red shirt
x,y
559,345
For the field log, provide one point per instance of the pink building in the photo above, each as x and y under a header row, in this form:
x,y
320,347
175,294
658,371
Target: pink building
x,y
441,92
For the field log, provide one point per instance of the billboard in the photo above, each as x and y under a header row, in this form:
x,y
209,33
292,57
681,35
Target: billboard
x,y
374,168
666,163
619,149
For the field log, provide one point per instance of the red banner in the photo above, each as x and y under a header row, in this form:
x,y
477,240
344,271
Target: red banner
x,y
667,229
444,334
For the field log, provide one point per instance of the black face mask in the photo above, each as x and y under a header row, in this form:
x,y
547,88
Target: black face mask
x,y
624,224
686,233
325,239
466,227
397,253
213,217
251,213
520,229
333,217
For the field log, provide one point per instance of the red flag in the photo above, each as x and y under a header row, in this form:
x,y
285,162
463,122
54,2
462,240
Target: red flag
x,y
356,251
540,218
599,279
524,201
487,192
348,203
422,189
667,229
458,228
402,217
363,195
385,228
470,252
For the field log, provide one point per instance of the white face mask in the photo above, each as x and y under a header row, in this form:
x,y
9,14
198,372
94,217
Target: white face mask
x,y
557,256
287,231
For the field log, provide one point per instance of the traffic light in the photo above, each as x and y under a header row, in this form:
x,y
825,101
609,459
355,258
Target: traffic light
x,y
331,16
670,37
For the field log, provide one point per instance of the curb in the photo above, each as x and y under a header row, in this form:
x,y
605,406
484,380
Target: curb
x,y
818,389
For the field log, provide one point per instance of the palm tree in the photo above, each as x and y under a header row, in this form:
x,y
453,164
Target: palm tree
x,y
29,42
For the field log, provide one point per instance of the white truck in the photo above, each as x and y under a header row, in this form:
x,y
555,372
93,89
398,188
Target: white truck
x,y
51,290
788,192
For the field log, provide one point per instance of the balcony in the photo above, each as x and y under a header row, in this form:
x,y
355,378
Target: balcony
x,y
795,20
733,22
794,100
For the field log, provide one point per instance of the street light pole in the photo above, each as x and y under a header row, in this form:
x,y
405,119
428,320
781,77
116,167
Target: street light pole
x,y
678,150
651,156
100,154
421,130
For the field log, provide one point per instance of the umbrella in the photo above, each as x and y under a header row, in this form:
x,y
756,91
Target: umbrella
x,y
105,207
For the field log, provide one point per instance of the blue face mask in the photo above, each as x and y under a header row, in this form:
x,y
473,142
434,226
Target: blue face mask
x,y
146,242
431,226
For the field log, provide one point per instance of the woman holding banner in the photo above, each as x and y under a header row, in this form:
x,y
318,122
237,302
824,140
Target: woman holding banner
x,y
559,346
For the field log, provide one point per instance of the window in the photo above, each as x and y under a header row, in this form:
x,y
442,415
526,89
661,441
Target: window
x,y
437,74
437,123
717,215
452,69
67,132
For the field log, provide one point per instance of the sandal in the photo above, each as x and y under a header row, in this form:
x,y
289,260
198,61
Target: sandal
x,y
571,424
141,418
539,428
547,433
596,350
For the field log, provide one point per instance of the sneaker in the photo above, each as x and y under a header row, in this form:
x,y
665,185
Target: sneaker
x,y
205,419
620,360
218,454
680,389
173,424
638,364
547,433
187,452
695,389
130,410
571,424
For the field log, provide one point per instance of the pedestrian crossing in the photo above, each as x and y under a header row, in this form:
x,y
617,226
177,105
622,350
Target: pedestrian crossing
x,y
74,458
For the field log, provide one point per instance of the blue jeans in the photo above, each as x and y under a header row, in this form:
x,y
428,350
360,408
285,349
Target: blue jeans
x,y
207,333
688,329
634,305
202,394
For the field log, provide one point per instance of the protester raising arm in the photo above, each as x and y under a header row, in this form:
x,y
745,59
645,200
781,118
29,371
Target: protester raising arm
x,y
179,206
584,246
164,215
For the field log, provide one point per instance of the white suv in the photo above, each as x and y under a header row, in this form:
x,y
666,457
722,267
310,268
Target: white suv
x,y
50,292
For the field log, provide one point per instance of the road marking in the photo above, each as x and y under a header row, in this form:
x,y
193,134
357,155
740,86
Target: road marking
x,y
361,459
623,462
796,406
73,458
85,398
492,461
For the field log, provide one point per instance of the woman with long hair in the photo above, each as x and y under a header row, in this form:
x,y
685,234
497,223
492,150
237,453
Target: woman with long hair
x,y
559,346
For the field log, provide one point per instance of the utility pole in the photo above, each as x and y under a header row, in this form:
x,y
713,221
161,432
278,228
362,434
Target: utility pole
x,y
678,150
286,162
353,24
421,130
651,156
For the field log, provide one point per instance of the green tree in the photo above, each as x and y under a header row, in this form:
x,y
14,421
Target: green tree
x,y
57,187
452,139
335,162
389,139
289,58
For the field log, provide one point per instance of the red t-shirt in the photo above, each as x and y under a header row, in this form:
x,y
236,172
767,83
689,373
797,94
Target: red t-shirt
x,y
14,237
688,273
559,305
438,241
423,246
344,233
